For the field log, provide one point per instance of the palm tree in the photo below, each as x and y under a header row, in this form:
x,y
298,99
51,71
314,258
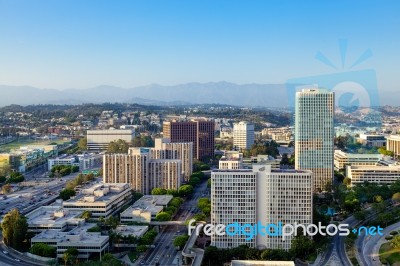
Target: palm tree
x,y
66,257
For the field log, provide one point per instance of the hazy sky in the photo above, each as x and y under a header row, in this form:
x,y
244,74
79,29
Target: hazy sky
x,y
80,44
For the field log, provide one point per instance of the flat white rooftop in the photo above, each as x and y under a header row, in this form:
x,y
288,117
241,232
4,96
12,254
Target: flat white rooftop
x,y
132,230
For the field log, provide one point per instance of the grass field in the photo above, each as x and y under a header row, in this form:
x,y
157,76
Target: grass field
x,y
26,142
392,256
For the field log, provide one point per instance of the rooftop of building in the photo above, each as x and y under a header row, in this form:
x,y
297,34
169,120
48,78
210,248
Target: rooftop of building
x,y
132,230
358,155
99,192
158,200
374,167
393,137
110,131
52,215
78,236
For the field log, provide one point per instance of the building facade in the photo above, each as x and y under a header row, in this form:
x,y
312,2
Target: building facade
x,y
393,145
314,135
200,132
342,159
183,151
102,200
100,139
373,174
243,135
246,196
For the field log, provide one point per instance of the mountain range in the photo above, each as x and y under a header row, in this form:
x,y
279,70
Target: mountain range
x,y
252,95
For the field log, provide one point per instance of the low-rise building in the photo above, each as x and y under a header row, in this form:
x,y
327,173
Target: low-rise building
x,y
373,174
83,161
372,140
261,263
102,200
53,217
85,242
231,160
129,233
145,209
342,159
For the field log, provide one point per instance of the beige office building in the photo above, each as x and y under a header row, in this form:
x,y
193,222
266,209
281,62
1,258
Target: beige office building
x,y
393,144
373,174
183,151
164,174
342,159
127,168
99,139
314,135
140,171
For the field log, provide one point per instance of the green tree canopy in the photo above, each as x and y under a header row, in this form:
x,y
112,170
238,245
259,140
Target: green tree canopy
x,y
163,216
119,146
186,190
180,241
158,191
67,193
15,228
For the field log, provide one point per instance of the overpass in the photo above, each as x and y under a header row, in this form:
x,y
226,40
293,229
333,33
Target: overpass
x,y
194,254
167,223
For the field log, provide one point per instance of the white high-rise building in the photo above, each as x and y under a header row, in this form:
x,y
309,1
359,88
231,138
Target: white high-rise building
x,y
314,135
261,194
243,135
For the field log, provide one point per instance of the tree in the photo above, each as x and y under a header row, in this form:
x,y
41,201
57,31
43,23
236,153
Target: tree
x,y
86,215
141,248
180,241
301,245
43,250
395,242
6,189
82,144
396,197
186,190
119,146
15,228
194,181
136,195
360,215
176,202
158,191
15,177
209,183
285,159
67,193
143,141
163,216
71,254
347,181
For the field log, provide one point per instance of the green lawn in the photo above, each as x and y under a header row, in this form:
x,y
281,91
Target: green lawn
x,y
18,143
390,255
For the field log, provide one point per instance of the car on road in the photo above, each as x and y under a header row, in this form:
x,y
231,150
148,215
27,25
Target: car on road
x,y
17,260
5,252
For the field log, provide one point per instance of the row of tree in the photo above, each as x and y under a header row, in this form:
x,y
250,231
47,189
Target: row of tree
x,y
63,170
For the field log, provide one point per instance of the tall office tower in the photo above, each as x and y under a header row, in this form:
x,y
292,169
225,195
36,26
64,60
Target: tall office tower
x,y
243,135
261,194
127,168
314,135
164,174
199,132
183,151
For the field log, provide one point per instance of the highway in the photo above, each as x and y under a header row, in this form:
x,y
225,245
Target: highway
x,y
11,258
336,252
164,252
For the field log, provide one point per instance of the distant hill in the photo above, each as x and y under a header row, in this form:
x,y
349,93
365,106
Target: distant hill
x,y
265,95
254,95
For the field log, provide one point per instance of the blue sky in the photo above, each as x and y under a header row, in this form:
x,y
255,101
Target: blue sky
x,y
81,44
